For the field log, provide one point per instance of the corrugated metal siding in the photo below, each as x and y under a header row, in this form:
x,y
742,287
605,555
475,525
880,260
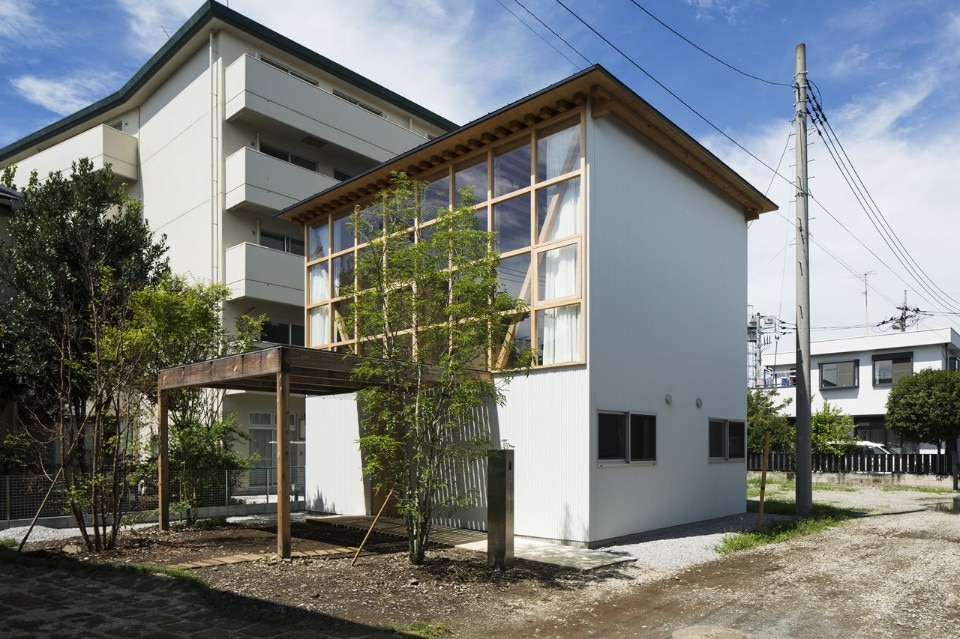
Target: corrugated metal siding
x,y
545,421
334,479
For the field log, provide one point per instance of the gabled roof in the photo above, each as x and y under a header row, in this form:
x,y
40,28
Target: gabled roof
x,y
193,34
608,95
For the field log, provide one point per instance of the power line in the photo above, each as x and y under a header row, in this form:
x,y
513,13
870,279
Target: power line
x,y
665,88
870,207
536,33
707,53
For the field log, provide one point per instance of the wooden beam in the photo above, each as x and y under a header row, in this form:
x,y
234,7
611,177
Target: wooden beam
x,y
283,464
163,461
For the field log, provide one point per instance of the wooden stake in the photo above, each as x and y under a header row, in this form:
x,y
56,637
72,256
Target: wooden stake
x,y
373,525
763,475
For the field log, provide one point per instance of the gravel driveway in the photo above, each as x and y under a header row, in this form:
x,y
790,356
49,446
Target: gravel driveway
x,y
893,573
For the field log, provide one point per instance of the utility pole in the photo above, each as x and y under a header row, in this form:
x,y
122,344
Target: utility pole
x,y
804,490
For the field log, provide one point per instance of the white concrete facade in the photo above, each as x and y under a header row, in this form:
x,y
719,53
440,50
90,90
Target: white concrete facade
x,y
198,134
664,258
865,383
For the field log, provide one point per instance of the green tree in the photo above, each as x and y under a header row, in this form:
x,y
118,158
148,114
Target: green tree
x,y
765,413
80,250
925,407
428,312
174,323
831,430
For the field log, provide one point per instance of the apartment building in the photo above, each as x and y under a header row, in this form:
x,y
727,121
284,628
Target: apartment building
x,y
227,123
857,373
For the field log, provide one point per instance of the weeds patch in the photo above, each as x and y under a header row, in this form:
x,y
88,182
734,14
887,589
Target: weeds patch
x,y
821,517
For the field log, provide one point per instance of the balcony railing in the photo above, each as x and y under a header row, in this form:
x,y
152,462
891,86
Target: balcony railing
x,y
262,273
102,145
259,93
263,183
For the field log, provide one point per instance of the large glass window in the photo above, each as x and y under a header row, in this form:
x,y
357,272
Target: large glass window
x,y
558,273
535,176
514,274
511,170
558,211
342,234
319,283
889,368
839,375
511,222
319,241
626,437
558,334
558,152
474,178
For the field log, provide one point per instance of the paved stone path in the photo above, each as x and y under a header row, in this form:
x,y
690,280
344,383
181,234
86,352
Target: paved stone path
x,y
37,602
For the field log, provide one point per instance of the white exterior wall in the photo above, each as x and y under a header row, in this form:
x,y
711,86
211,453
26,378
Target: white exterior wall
x,y
544,419
176,161
334,480
666,296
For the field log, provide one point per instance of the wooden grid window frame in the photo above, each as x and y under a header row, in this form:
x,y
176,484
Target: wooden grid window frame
x,y
324,252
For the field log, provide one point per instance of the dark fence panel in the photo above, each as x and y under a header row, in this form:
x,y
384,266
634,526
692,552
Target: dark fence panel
x,y
21,496
912,464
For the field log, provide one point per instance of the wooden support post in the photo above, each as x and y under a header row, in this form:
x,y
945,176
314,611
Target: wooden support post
x,y
763,476
163,463
283,464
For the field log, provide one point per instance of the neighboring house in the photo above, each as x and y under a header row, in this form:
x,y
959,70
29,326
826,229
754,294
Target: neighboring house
x,y
9,203
857,373
223,126
628,240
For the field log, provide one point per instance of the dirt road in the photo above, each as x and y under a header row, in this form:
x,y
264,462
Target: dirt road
x,y
894,573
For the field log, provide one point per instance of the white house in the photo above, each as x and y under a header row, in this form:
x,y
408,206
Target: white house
x,y
628,241
224,125
857,373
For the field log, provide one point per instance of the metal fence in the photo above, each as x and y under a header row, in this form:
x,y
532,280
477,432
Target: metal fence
x,y
21,496
909,464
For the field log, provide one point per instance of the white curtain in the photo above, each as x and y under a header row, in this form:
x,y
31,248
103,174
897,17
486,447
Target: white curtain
x,y
320,325
562,217
560,328
319,283
561,152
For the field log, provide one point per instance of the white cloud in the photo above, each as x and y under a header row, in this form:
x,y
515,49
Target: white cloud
x,y
21,25
909,171
151,22
64,96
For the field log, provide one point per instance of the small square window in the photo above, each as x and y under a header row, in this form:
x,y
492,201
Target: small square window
x,y
889,368
839,375
626,437
727,439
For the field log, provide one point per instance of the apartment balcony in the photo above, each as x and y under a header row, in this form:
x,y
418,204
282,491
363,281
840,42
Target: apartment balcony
x,y
261,273
263,95
102,144
265,184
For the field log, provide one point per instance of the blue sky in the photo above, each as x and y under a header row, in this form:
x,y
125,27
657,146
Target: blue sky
x,y
887,71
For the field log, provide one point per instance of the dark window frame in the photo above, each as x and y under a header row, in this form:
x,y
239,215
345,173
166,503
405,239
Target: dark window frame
x,y
636,438
855,374
294,333
894,359
727,440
